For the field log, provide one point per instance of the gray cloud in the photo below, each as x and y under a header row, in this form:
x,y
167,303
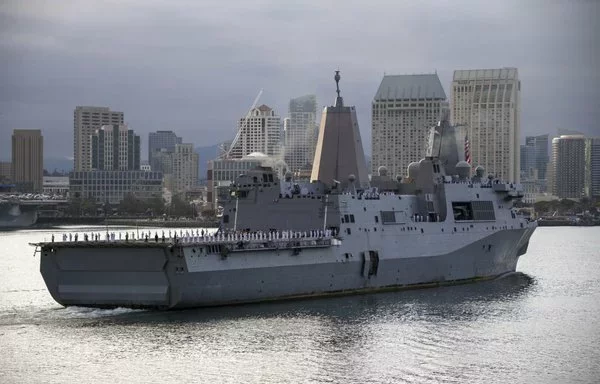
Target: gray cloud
x,y
195,67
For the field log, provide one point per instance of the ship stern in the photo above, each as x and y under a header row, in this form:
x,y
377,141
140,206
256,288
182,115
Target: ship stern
x,y
106,275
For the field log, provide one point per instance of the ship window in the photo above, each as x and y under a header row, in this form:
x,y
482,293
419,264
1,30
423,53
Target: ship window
x,y
343,220
377,219
348,231
270,177
352,218
226,218
347,218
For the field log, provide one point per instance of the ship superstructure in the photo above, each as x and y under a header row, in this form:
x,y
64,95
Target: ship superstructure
x,y
280,239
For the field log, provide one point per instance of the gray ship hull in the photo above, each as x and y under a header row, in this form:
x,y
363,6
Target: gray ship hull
x,y
159,275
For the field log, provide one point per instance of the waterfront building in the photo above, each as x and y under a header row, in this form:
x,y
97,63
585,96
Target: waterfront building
x,y
145,166
300,133
528,162
5,171
27,159
56,185
540,155
86,121
112,186
488,103
161,141
531,189
593,167
115,147
568,160
259,131
185,168
404,109
163,161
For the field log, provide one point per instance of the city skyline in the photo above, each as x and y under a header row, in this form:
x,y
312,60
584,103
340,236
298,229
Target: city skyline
x,y
545,46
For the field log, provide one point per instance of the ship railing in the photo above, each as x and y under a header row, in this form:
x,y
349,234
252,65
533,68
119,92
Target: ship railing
x,y
314,237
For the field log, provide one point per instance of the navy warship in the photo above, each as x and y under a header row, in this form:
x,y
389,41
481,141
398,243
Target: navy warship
x,y
339,233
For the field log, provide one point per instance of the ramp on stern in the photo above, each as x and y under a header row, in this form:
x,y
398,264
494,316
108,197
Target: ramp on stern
x,y
106,275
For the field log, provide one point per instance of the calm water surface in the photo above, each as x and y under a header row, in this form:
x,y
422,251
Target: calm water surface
x,y
539,325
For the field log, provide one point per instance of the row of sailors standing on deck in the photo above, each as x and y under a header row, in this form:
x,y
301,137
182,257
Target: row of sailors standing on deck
x,y
273,235
424,218
200,235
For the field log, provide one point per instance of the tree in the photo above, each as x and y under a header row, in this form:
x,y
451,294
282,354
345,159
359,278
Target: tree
x,y
179,207
156,205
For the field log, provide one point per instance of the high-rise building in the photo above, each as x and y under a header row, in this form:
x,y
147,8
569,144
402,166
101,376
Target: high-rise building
x,y
185,168
112,186
528,163
593,167
115,147
260,131
300,133
540,159
5,171
404,109
86,121
161,141
488,103
568,161
28,159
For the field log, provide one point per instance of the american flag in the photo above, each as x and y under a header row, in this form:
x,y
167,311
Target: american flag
x,y
467,150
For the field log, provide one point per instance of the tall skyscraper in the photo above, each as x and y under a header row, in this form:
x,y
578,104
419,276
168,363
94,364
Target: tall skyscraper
x,y
568,160
185,167
115,147
300,133
260,131
404,109
28,159
540,160
528,163
593,167
488,103
86,121
161,141
5,171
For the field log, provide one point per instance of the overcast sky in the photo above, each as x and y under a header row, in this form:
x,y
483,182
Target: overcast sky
x,y
196,66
